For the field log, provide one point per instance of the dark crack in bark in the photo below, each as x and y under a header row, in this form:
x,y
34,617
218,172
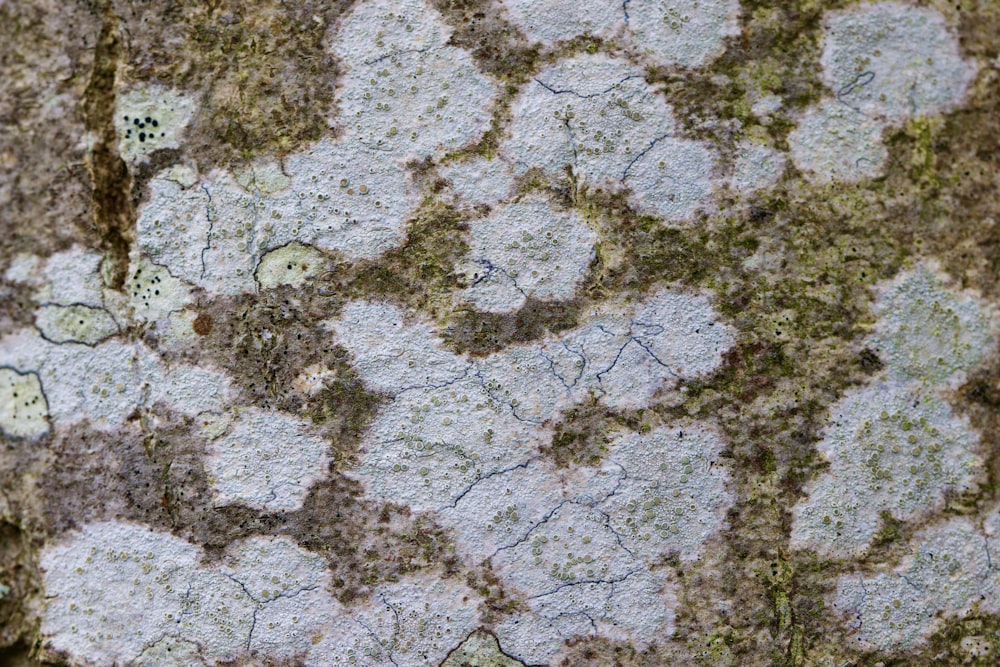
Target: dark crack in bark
x,y
113,211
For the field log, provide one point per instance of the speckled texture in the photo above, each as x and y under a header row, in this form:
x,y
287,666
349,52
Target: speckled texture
x,y
499,333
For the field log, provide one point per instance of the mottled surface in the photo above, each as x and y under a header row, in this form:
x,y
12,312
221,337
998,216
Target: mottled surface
x,y
498,333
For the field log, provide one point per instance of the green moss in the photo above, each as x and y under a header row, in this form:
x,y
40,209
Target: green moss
x,y
420,273
582,437
889,530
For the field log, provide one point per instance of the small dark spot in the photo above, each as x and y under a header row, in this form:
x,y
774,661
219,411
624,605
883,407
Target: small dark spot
x,y
156,123
148,119
758,214
869,360
142,136
136,122
983,391
202,324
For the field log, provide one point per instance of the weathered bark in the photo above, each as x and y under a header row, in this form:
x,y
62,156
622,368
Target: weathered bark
x,y
499,332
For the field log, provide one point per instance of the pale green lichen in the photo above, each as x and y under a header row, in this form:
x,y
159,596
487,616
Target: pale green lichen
x,y
151,118
75,324
24,411
292,264
928,333
480,649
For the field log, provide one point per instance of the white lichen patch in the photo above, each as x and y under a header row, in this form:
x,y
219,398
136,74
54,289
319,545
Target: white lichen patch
x,y
636,610
122,594
929,333
73,276
578,579
891,449
896,446
107,382
429,445
75,324
597,116
113,589
291,264
216,613
757,167
667,337
68,277
267,460
893,61
527,249
347,198
343,197
174,230
948,572
193,389
411,623
883,63
592,112
453,420
550,21
673,497
24,412
266,177
103,383
621,357
406,92
682,34
672,178
376,30
171,652
479,181
498,511
270,568
578,546
149,118
288,587
834,142
480,649
419,621
394,355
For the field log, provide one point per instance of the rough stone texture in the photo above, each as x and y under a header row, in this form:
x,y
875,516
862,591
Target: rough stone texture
x,y
498,333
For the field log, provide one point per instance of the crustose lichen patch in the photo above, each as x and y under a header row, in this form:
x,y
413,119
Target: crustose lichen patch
x,y
426,332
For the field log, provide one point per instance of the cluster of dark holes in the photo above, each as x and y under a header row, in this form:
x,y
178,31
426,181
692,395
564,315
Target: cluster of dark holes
x,y
150,287
139,125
